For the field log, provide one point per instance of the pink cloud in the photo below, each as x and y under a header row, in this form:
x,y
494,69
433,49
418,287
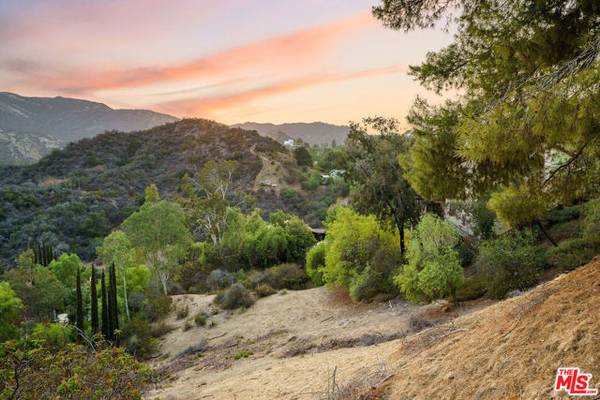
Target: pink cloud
x,y
205,106
295,50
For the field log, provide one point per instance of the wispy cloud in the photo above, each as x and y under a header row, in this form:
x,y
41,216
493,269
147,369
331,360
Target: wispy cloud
x,y
205,106
294,50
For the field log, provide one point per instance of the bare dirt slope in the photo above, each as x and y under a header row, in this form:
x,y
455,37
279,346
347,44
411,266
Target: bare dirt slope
x,y
510,350
294,338
507,350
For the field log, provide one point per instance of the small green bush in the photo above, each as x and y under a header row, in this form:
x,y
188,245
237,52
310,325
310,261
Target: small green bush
x,y
572,253
473,288
434,269
201,318
509,262
237,296
563,214
264,290
160,329
360,254
157,305
315,262
283,276
243,354
138,340
54,335
219,279
591,220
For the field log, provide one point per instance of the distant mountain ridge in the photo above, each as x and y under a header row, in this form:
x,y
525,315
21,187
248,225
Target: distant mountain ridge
x,y
61,120
310,132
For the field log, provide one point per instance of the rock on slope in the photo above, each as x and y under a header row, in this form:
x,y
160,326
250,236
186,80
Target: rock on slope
x,y
510,350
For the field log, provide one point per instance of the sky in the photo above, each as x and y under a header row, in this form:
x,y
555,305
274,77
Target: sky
x,y
228,60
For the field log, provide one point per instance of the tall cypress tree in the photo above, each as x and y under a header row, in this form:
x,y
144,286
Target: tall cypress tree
x,y
94,301
79,315
115,308
106,329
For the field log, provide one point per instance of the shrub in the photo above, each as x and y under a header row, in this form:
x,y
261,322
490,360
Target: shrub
x,y
264,290
11,309
509,262
563,214
283,276
433,270
473,288
315,263
157,305
219,279
183,312
200,319
53,335
360,254
72,372
572,253
138,338
591,220
237,296
160,329
187,325
243,354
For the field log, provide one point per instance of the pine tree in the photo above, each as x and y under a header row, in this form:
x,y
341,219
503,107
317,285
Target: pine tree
x,y
94,301
106,329
79,316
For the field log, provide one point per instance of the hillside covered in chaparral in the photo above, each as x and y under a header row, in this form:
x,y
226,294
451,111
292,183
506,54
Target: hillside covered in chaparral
x,y
438,237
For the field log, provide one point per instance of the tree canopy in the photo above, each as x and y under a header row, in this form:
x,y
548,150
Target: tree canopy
x,y
527,120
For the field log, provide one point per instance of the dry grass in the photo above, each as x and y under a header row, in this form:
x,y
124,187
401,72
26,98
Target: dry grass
x,y
510,350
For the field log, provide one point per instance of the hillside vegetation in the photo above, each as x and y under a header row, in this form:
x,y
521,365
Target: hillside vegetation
x,y
31,127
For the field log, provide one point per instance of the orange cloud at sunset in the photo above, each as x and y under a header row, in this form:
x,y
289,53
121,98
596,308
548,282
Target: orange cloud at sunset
x,y
293,50
275,61
206,106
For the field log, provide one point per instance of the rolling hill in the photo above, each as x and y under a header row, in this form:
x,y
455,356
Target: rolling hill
x,y
75,196
312,133
37,125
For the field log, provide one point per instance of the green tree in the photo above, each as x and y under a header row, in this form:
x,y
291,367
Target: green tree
x,y
117,249
106,320
94,301
377,182
65,269
79,299
299,235
39,289
433,270
11,310
303,157
207,197
528,116
360,255
159,231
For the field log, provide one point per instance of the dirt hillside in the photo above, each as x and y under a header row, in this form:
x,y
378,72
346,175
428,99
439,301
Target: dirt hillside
x,y
510,350
287,347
